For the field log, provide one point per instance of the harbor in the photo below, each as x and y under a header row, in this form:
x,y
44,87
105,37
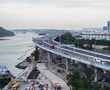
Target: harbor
x,y
54,45
5,75
49,64
12,48
34,75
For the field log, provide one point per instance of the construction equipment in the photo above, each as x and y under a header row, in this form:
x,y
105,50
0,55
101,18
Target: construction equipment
x,y
15,86
10,84
57,86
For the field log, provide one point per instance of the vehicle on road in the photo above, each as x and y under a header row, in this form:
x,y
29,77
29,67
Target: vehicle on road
x,y
15,86
52,46
57,86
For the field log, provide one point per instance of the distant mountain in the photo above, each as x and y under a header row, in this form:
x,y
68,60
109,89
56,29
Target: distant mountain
x,y
4,32
40,31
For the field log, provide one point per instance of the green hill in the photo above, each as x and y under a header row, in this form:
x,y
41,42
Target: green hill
x,y
4,32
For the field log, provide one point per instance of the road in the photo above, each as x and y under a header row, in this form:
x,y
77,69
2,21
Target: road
x,y
87,52
52,77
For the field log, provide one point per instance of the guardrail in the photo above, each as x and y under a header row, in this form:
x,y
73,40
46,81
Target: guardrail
x,y
72,55
87,51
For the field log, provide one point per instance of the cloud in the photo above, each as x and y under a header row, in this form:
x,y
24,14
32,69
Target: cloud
x,y
83,3
65,3
54,13
49,16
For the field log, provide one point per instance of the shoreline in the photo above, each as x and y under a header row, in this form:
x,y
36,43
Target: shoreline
x,y
4,39
22,65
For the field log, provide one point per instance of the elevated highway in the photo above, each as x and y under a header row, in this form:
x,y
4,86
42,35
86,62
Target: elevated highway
x,y
95,59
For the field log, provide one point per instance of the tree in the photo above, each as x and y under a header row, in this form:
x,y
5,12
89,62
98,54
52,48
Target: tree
x,y
74,80
101,88
57,39
89,73
91,42
79,43
66,38
36,54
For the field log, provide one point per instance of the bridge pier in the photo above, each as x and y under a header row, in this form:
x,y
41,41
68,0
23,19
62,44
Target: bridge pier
x,y
67,66
82,66
104,71
76,62
49,59
43,55
96,75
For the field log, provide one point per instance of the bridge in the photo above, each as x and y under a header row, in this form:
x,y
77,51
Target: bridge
x,y
95,59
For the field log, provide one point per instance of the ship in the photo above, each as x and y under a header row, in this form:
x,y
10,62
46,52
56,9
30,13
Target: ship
x,y
5,76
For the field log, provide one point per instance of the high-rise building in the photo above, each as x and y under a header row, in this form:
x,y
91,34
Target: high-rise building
x,y
108,25
105,28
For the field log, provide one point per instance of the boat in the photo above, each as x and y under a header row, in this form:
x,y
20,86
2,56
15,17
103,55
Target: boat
x,y
5,76
42,33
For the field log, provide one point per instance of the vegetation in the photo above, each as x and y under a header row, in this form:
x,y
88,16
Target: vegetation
x,y
101,88
36,54
74,80
77,82
67,38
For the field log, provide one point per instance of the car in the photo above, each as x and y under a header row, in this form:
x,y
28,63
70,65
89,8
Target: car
x,y
57,86
52,46
15,86
27,88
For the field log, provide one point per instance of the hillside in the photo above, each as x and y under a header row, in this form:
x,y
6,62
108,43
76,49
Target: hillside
x,y
4,32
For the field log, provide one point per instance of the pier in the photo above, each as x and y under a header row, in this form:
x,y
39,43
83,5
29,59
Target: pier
x,y
55,57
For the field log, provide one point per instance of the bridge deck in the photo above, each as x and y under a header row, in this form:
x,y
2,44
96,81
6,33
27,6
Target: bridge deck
x,y
74,55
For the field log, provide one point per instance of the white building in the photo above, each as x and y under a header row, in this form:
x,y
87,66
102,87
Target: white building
x,y
108,25
95,34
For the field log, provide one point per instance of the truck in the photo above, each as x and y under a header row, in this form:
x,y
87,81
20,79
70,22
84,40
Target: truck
x,y
57,86
90,58
15,86
10,84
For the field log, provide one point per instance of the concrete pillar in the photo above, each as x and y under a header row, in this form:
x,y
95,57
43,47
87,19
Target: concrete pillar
x,y
104,71
33,61
96,75
81,67
67,64
49,58
76,62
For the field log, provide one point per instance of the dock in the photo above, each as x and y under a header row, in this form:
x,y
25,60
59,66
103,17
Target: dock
x,y
44,78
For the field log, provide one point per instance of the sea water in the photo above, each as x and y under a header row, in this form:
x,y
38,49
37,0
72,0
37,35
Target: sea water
x,y
14,47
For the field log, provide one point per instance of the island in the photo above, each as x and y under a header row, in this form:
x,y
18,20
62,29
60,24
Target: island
x,y
4,32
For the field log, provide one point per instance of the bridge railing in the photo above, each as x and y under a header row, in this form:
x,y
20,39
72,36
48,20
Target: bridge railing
x,y
87,59
92,52
65,51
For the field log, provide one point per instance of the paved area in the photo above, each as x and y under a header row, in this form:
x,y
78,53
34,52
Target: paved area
x,y
45,78
23,76
41,80
51,76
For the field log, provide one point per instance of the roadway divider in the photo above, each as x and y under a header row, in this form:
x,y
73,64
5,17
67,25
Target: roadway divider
x,y
80,57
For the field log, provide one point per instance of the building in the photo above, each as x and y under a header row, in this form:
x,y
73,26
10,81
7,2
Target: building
x,y
108,25
105,28
97,34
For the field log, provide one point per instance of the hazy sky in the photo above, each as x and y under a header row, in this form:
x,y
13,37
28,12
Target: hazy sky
x,y
57,14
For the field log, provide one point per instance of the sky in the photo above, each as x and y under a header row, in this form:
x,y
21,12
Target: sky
x,y
54,14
